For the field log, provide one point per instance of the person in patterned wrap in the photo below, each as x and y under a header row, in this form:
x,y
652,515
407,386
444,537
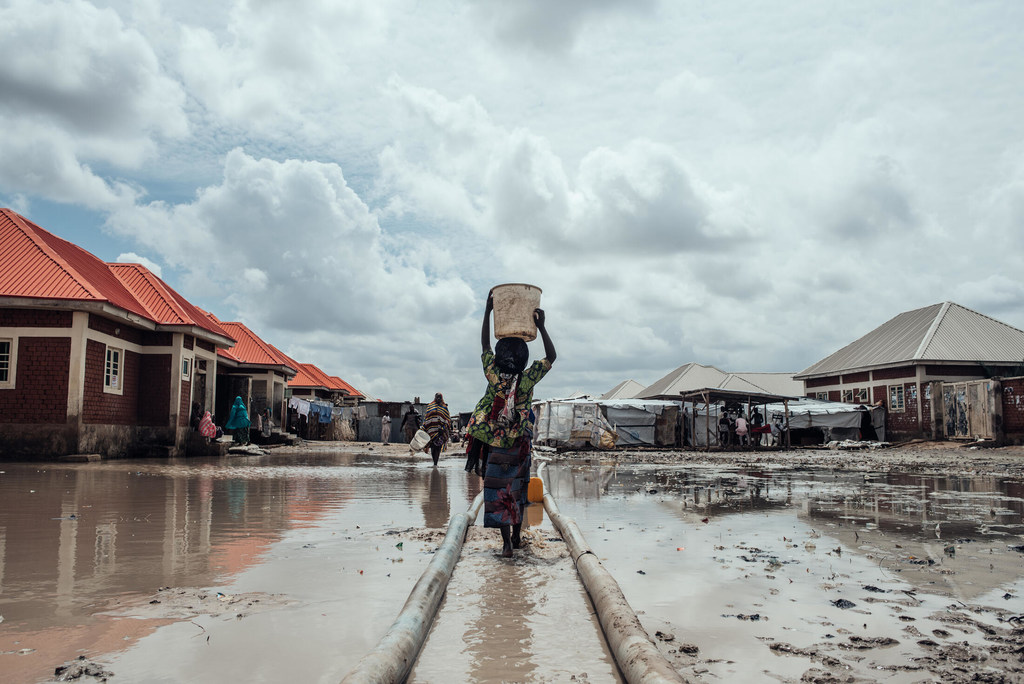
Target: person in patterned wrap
x,y
500,432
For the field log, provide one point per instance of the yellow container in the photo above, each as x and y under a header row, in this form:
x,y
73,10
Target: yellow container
x,y
535,492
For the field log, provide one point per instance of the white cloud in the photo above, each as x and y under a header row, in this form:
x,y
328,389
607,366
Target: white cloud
x,y
739,185
133,258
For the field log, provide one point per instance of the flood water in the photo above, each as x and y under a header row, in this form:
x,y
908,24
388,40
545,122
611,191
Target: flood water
x,y
291,567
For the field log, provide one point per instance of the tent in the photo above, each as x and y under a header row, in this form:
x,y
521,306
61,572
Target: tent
x,y
603,424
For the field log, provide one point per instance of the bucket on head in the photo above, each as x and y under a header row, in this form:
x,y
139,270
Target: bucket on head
x,y
513,310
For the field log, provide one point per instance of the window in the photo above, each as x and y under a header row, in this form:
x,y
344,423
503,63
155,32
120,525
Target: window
x,y
112,371
186,368
821,395
896,398
7,363
855,395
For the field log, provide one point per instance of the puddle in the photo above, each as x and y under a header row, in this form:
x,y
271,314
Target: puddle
x,y
774,573
760,574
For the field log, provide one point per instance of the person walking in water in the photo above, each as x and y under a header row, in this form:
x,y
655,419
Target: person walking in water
x,y
438,424
500,433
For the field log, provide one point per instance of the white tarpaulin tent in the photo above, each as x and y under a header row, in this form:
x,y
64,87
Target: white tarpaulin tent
x,y
836,420
601,423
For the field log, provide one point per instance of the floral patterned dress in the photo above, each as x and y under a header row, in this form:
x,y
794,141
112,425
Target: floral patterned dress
x,y
503,420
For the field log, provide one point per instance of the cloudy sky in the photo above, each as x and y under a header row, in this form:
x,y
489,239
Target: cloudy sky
x,y
746,184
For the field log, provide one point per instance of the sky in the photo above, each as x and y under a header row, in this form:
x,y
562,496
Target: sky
x,y
750,185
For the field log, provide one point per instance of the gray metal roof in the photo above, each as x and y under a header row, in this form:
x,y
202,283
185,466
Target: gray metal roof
x,y
627,389
695,376
940,332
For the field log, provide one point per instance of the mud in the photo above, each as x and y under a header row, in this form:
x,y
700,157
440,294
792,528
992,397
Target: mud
x,y
740,565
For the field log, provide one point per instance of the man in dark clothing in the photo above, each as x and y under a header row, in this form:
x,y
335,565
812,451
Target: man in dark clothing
x,y
410,423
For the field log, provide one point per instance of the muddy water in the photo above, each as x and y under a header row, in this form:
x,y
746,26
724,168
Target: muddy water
x,y
272,568
290,567
749,565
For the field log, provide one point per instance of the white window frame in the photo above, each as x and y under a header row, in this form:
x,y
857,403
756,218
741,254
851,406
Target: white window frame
x,y
821,396
117,372
855,395
12,362
901,405
187,362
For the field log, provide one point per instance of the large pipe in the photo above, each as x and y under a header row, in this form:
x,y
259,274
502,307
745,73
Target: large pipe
x,y
393,657
636,654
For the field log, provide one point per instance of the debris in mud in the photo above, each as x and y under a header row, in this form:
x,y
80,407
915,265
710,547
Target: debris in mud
x,y
873,588
816,676
843,603
863,643
688,649
665,636
188,602
80,667
753,618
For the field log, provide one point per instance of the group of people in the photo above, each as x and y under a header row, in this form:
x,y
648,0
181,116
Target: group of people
x,y
238,423
735,429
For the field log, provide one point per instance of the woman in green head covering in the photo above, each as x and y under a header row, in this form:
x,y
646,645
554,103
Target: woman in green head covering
x,y
238,421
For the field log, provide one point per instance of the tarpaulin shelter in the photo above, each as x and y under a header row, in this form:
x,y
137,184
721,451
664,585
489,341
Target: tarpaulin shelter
x,y
835,420
703,428
604,424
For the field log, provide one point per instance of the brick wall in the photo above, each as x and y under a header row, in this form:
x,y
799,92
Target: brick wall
x,y
955,371
35,318
924,397
40,394
185,405
102,407
115,328
1013,405
893,373
856,377
154,389
904,424
835,395
821,382
157,339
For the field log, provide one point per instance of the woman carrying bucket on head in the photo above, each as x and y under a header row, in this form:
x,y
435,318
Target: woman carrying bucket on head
x,y
500,433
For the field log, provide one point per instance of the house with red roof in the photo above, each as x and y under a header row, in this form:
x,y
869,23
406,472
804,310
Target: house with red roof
x,y
252,369
95,357
312,383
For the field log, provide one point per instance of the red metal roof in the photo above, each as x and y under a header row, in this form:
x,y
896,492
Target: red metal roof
x,y
344,386
161,302
36,264
249,348
309,376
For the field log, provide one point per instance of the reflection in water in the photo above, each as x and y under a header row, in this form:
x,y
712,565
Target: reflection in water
x,y
500,639
77,538
434,500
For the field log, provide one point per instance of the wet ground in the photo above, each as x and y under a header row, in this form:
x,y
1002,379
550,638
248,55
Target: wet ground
x,y
902,567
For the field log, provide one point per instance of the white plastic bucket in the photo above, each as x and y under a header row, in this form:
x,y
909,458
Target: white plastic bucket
x,y
513,310
419,441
